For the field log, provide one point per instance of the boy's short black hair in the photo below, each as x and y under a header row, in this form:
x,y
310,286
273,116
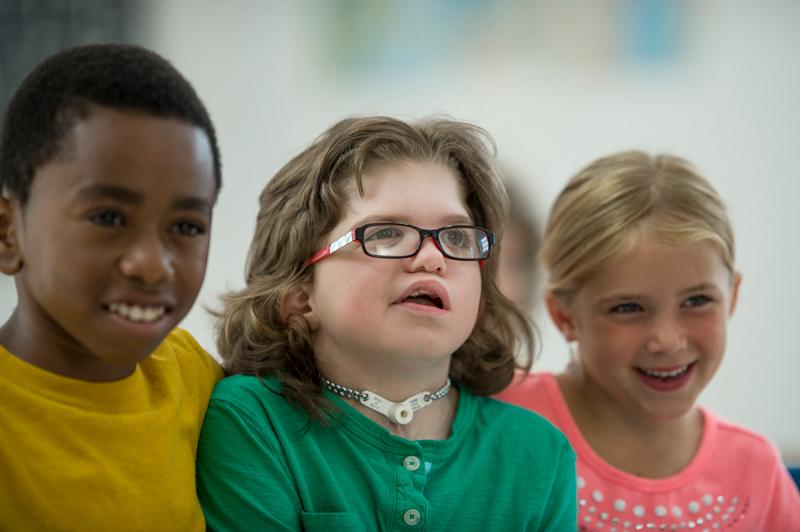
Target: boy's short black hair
x,y
62,89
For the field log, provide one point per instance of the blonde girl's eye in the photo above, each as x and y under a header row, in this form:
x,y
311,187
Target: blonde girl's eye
x,y
697,301
626,308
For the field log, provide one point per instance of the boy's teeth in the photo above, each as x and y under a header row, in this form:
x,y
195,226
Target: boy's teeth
x,y
665,374
137,313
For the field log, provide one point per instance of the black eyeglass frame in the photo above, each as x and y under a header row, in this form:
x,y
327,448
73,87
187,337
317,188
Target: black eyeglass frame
x,y
357,234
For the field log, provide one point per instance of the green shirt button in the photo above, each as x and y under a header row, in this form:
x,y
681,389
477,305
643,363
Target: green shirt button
x,y
411,463
411,517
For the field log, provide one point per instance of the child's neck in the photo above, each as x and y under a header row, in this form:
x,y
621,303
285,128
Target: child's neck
x,y
628,441
61,355
431,422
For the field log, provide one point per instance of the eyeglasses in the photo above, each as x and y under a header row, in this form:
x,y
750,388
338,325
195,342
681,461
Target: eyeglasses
x,y
400,241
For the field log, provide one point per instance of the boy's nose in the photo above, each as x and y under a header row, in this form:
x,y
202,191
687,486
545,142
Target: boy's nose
x,y
147,261
668,337
429,258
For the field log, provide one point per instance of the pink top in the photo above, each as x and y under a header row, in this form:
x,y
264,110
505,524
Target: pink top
x,y
735,481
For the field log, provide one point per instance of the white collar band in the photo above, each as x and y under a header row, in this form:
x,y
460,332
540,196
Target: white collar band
x,y
400,413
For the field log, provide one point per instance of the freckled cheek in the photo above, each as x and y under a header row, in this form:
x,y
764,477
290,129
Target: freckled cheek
x,y
355,301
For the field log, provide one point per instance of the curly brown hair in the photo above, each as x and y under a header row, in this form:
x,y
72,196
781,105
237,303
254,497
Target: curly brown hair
x,y
305,200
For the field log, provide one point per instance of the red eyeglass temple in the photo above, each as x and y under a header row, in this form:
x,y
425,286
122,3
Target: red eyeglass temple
x,y
333,246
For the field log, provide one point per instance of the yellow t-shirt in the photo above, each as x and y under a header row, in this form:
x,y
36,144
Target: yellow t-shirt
x,y
78,455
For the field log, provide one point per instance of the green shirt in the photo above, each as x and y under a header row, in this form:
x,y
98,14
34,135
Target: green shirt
x,y
262,465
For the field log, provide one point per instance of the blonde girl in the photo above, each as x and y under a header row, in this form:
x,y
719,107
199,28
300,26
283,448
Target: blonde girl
x,y
640,256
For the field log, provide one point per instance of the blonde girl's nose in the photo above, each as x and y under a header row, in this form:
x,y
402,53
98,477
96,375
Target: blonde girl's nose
x,y
667,337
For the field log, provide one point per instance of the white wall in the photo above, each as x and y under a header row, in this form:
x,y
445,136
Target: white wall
x,y
728,101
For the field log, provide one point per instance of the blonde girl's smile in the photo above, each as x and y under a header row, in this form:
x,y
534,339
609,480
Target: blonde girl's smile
x,y
651,332
666,379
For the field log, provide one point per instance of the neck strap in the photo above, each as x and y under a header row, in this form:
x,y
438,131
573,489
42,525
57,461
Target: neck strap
x,y
401,413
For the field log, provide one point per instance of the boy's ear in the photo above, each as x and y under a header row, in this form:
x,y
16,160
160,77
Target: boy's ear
x,y
561,315
298,302
10,256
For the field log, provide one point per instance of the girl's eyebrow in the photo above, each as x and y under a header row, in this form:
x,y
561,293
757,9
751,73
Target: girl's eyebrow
x,y
453,219
700,287
616,298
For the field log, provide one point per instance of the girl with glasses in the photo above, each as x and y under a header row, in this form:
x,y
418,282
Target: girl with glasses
x,y
365,343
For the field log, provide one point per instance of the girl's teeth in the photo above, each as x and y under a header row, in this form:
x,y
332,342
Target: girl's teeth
x,y
420,293
137,313
665,374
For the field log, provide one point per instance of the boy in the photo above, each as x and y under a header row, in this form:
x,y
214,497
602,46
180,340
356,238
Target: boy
x,y
109,169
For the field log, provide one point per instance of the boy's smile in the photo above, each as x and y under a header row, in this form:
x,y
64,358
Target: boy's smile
x,y
112,242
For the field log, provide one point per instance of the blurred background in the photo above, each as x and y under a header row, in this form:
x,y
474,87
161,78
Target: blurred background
x,y
557,83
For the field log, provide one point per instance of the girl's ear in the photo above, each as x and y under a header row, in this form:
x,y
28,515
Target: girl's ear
x,y
298,302
10,253
737,280
561,315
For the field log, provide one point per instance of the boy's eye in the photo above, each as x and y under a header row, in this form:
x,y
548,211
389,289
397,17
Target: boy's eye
x,y
626,308
188,229
107,218
697,301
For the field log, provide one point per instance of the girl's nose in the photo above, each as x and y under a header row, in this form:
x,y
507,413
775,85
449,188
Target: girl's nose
x,y
147,261
429,258
667,337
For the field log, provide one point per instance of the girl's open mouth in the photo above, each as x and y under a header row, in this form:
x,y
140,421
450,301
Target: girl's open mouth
x,y
666,379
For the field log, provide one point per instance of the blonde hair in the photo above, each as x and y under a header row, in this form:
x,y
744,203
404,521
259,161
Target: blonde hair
x,y
305,200
609,204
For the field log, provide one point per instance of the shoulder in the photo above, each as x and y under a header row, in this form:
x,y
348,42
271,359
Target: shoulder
x,y
179,358
517,425
243,404
525,385
182,345
237,387
741,443
261,397
534,391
